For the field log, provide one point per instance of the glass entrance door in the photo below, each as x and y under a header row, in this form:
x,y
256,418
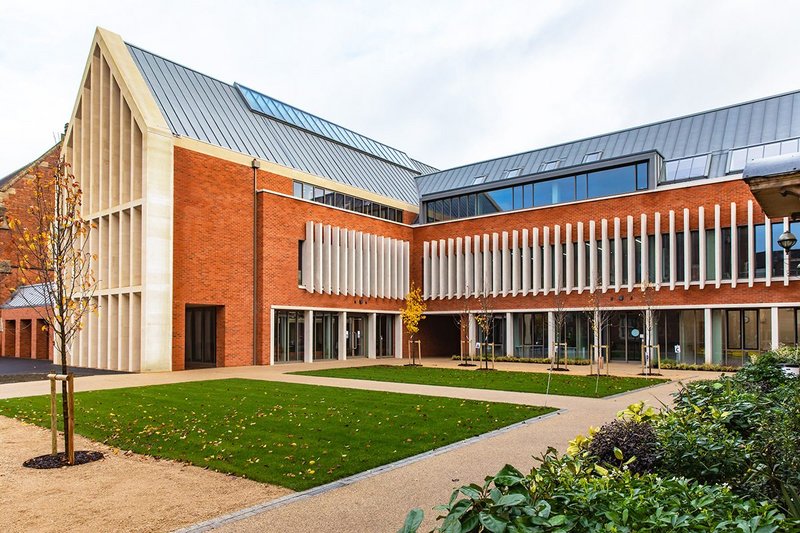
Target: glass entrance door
x,y
356,335
623,345
384,329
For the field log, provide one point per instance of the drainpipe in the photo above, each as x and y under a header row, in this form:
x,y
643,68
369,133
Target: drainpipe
x,y
255,165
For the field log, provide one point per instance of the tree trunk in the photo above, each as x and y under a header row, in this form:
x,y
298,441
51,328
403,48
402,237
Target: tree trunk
x,y
64,403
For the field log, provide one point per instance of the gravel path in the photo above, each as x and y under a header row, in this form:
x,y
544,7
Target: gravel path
x,y
131,493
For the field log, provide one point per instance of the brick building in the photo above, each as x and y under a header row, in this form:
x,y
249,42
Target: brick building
x,y
235,229
21,334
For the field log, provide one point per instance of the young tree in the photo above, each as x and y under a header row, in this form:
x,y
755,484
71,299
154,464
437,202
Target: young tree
x,y
462,323
559,319
484,319
599,316
650,319
412,314
52,251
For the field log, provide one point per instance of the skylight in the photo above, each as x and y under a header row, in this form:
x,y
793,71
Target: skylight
x,y
261,103
511,173
478,180
686,168
738,158
592,157
550,165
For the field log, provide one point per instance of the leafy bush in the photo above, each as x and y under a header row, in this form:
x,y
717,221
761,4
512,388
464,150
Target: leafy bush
x,y
571,494
668,364
625,442
725,457
535,360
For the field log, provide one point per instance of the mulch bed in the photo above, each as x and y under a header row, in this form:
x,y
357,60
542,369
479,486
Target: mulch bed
x,y
60,460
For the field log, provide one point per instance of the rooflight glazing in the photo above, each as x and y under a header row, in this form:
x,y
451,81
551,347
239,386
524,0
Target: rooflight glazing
x,y
686,168
737,159
265,105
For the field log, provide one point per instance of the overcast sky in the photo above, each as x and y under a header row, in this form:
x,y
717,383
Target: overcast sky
x,y
447,82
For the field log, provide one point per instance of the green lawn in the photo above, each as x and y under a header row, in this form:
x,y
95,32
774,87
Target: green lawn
x,y
564,384
297,436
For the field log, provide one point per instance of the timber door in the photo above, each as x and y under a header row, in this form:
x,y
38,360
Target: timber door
x,y
201,336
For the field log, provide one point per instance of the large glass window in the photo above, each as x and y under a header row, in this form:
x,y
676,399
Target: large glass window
x,y
351,203
384,330
789,326
738,158
778,258
326,335
530,335
289,336
554,191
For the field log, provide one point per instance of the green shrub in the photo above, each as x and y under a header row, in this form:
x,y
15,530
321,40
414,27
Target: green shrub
x,y
535,360
625,441
667,364
571,494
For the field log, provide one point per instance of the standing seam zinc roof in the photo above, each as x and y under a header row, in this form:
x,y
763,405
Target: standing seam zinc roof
x,y
203,108
760,121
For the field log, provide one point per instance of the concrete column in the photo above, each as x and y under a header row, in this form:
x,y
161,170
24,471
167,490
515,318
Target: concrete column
x,y
645,244
442,269
569,274
372,336
768,241
367,281
459,261
751,244
709,336
308,258
473,334
344,260
617,254
434,275
335,260
308,341
398,337
451,268
342,335
687,250
497,273
659,275
673,251
546,261
359,264
326,259
318,258
701,232
469,274
477,266
537,263
510,340
505,273
551,334
351,263
592,257
718,247
774,340
581,259
406,268
488,275
734,247
557,273
515,265
631,236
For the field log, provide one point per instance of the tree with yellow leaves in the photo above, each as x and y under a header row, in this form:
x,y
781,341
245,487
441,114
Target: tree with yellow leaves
x,y
52,251
412,314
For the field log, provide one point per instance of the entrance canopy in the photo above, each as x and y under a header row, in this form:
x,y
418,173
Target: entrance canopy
x,y
775,182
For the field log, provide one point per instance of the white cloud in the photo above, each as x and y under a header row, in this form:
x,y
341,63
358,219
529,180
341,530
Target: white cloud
x,y
448,82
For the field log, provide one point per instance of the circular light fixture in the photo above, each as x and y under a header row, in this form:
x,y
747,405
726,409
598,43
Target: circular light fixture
x,y
787,240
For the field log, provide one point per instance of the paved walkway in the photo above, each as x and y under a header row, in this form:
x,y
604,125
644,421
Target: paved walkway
x,y
380,503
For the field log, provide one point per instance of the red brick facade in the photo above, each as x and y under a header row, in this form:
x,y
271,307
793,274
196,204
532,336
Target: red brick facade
x,y
213,251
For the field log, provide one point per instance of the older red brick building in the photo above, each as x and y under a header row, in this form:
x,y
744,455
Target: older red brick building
x,y
22,328
235,229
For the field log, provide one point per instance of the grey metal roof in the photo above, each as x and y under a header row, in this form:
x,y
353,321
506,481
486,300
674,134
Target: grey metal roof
x,y
28,296
717,131
203,108
778,165
423,167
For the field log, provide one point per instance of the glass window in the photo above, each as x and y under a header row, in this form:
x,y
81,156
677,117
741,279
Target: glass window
x,y
478,180
680,258
554,191
308,192
727,260
297,189
549,165
518,203
463,206
641,177
666,264
743,259
592,156
711,266
787,326
511,173
501,199
612,181
527,195
580,187
651,258
339,200
695,259
319,195
624,279
761,250
778,258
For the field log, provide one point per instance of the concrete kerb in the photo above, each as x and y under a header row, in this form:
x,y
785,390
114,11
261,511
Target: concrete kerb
x,y
291,498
